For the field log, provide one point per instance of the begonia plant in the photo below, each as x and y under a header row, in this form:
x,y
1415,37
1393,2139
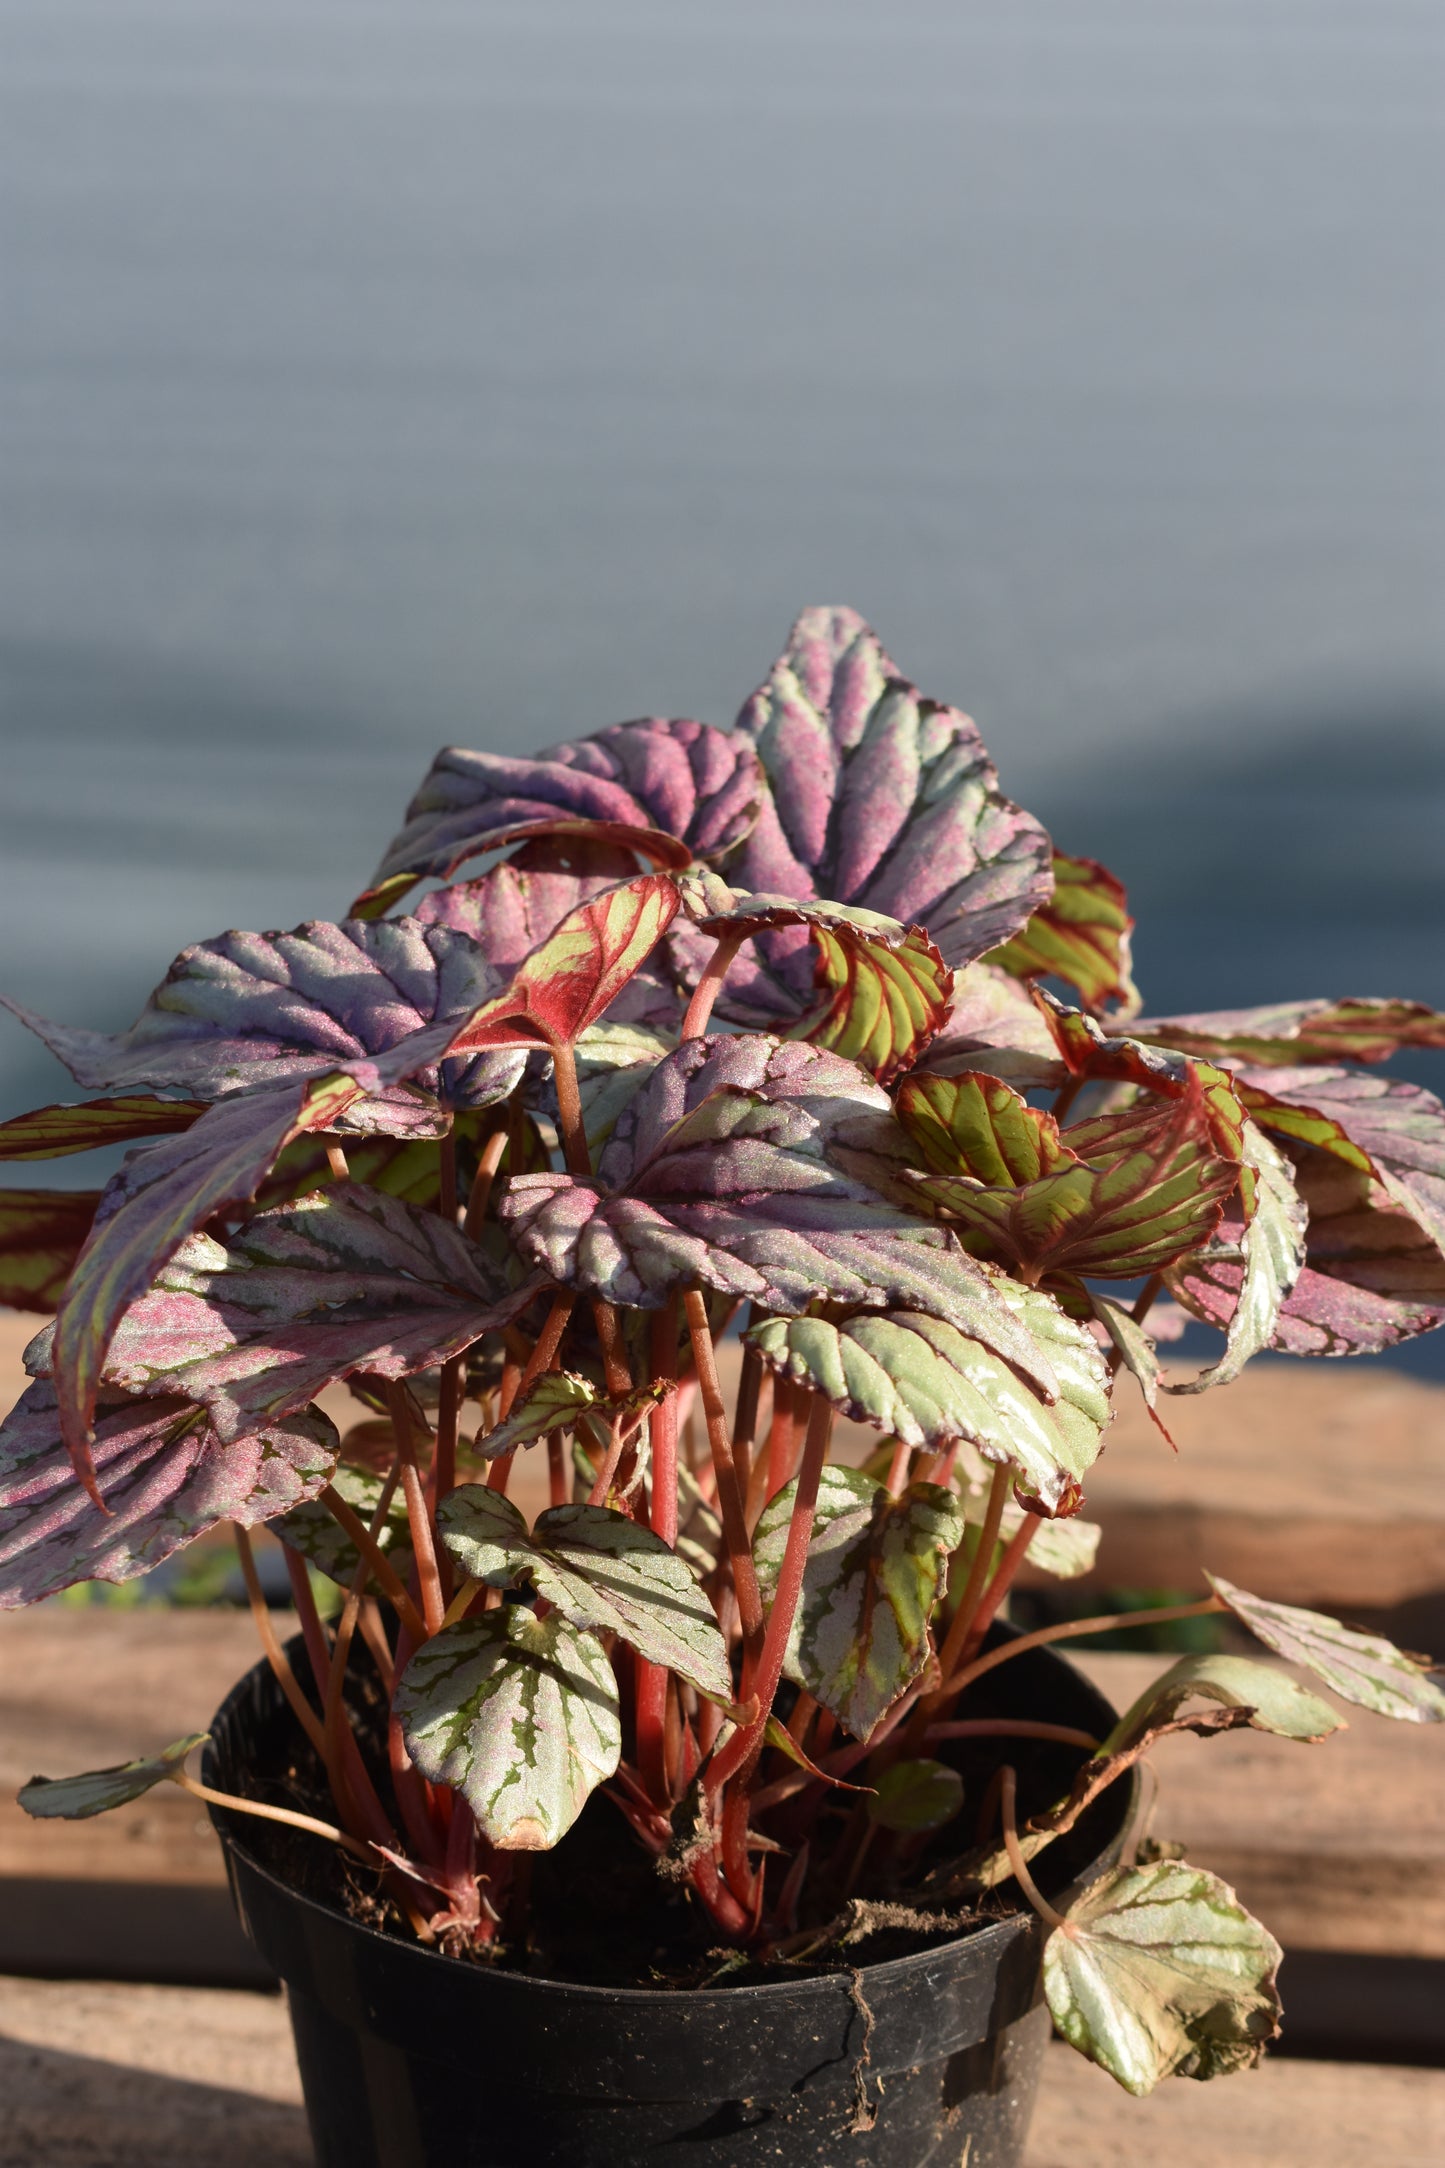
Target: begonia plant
x,y
791,1062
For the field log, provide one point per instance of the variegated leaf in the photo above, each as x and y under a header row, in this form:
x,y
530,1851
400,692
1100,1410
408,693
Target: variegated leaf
x,y
924,1381
1363,1668
1159,1971
600,1570
1270,1700
1300,1031
313,1531
42,1232
1380,1125
973,1124
994,1027
74,1799
1095,1056
1273,1246
166,1475
551,1402
874,1568
517,1713
56,1132
563,987
1081,935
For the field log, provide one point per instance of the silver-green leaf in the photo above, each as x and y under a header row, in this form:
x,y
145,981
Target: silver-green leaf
x,y
1363,1668
73,1799
313,1530
600,1570
1272,1699
517,1713
1159,1971
1274,1255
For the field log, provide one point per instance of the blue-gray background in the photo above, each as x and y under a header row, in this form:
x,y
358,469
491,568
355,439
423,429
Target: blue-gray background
x,y
379,375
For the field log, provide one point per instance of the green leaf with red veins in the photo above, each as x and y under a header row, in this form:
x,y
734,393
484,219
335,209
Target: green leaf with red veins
x,y
312,1529
601,1570
1094,1056
73,1799
725,1172
517,1713
1385,1127
56,1132
558,1401
1300,1031
253,1010
167,1478
579,970
1362,1668
42,1232
874,1568
925,1382
975,1125
344,1281
1159,1971
1081,935
1273,1254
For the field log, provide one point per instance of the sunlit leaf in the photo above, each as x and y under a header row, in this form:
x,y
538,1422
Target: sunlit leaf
x,y
42,1232
1273,1246
914,1796
994,1027
975,1125
1271,1700
1159,1971
1136,1350
517,1713
1300,1031
313,1530
1081,935
73,1799
1383,1126
874,1568
564,986
600,1570
166,1477
56,1132
924,1381
1363,1668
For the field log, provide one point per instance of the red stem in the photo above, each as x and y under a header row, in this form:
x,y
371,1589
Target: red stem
x,y
729,1497
433,1603
1014,1555
652,1679
709,986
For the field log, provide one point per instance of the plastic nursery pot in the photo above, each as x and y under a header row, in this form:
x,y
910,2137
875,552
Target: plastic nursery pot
x,y
410,2059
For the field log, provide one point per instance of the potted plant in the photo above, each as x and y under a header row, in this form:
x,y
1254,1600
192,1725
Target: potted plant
x,y
710,1092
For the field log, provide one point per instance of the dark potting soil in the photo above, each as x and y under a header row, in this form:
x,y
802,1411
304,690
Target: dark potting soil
x,y
602,1913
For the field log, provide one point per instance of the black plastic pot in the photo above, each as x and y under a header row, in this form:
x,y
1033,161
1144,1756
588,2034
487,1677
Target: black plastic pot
x,y
414,2060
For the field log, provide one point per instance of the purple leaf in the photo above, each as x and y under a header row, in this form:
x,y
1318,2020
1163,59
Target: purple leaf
x,y
1288,1032
994,1026
882,798
168,1478
726,1171
683,778
345,1281
1398,1128
249,1010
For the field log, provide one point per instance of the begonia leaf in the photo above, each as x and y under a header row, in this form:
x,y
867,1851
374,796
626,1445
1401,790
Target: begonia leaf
x,y
346,1280
976,1125
313,1531
685,779
247,1010
1270,1700
1362,1668
1093,1055
601,1570
1159,1971
1385,1127
914,1796
558,1400
562,988
1081,935
1272,1243
929,1384
1290,1032
882,798
1066,1548
42,1232
994,1027
73,1799
56,1132
1136,1350
719,1174
874,1568
517,1713
167,1478
614,1061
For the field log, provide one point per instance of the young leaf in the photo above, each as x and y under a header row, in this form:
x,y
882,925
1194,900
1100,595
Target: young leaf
x,y
600,1570
564,986
1273,1243
914,1796
56,1132
1081,935
249,1010
314,1532
1160,1971
167,1477
926,1382
1300,1031
1094,1056
74,1799
1067,1547
517,1713
1363,1668
882,798
553,1401
42,1232
874,1568
683,778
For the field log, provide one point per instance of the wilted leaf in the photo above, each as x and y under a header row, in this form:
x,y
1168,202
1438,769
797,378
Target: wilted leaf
x,y
166,1476
1273,1245
683,778
564,986
73,1799
56,1132
1300,1031
1081,935
250,1010
913,1796
1160,1971
41,1235
1363,1668
882,798
928,1383
313,1530
874,1568
600,1570
1271,1700
518,1714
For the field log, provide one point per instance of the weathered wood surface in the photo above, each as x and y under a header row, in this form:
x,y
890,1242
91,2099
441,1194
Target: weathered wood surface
x,y
96,2076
